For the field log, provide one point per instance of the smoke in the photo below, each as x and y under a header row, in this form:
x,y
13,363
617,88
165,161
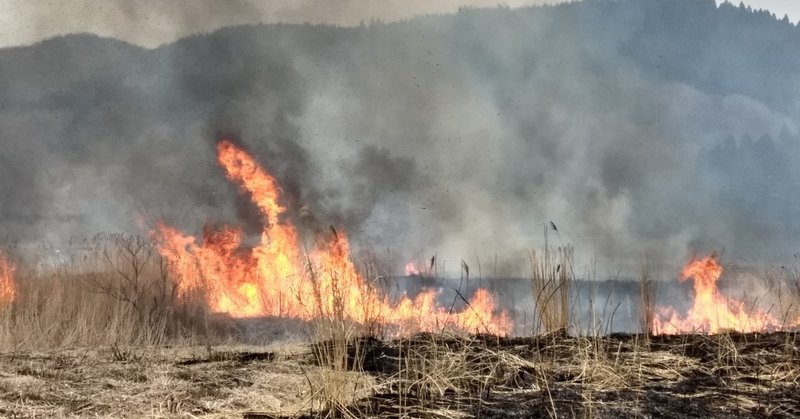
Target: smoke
x,y
151,23
461,136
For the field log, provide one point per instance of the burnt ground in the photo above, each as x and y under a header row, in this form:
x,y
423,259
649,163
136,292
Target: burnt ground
x,y
722,376
428,375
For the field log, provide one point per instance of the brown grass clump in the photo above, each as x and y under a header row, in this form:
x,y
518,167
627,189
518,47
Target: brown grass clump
x,y
551,277
117,292
443,376
338,381
647,302
784,281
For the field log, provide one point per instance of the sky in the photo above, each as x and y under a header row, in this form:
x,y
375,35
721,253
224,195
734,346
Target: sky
x,y
150,23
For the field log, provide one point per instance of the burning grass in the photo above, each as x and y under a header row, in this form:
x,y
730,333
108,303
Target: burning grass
x,y
109,336
711,311
282,277
161,326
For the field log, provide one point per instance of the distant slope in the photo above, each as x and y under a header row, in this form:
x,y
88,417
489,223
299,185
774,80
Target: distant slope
x,y
450,132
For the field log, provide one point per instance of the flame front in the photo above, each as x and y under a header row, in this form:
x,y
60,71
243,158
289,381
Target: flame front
x,y
7,285
276,278
711,311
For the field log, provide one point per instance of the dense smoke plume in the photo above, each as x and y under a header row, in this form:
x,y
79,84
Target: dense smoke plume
x,y
460,135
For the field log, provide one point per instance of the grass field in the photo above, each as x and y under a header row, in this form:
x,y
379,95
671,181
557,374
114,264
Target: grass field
x,y
104,334
731,375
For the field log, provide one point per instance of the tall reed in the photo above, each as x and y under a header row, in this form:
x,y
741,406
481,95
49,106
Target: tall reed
x,y
551,278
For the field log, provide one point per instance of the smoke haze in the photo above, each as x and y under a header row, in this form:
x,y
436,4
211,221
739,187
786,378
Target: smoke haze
x,y
150,23
641,127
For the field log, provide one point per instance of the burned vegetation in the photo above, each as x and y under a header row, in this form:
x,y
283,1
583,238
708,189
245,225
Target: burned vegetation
x,y
728,375
555,375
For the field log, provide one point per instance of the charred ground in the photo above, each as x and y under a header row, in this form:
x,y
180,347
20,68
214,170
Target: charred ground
x,y
426,375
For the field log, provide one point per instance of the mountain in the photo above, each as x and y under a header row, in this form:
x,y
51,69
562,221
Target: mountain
x,y
627,123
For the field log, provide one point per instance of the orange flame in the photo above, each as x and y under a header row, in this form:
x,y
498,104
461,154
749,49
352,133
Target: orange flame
x,y
276,278
711,311
7,286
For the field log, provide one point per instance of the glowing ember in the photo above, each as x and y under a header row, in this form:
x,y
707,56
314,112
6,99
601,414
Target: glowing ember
x,y
7,285
412,270
277,278
711,312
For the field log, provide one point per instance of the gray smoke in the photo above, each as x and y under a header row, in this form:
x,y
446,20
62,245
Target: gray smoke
x,y
461,136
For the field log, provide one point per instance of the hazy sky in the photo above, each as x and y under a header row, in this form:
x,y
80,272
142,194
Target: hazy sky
x,y
153,22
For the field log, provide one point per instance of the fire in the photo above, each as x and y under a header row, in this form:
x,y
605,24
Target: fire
x,y
277,278
711,312
7,285
412,270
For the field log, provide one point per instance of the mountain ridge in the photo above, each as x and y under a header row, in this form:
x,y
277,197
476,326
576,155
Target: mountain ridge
x,y
595,113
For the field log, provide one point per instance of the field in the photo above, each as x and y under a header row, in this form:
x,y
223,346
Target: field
x,y
435,376
106,334
327,210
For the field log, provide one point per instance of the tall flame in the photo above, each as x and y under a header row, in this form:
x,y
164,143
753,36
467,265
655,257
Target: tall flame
x,y
711,311
276,278
7,285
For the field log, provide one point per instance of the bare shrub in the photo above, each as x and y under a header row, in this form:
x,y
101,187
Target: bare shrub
x,y
134,274
117,291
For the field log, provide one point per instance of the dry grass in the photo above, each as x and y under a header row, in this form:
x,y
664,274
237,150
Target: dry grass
x,y
438,376
785,282
150,355
338,349
647,301
117,292
157,382
551,277
338,380
428,376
